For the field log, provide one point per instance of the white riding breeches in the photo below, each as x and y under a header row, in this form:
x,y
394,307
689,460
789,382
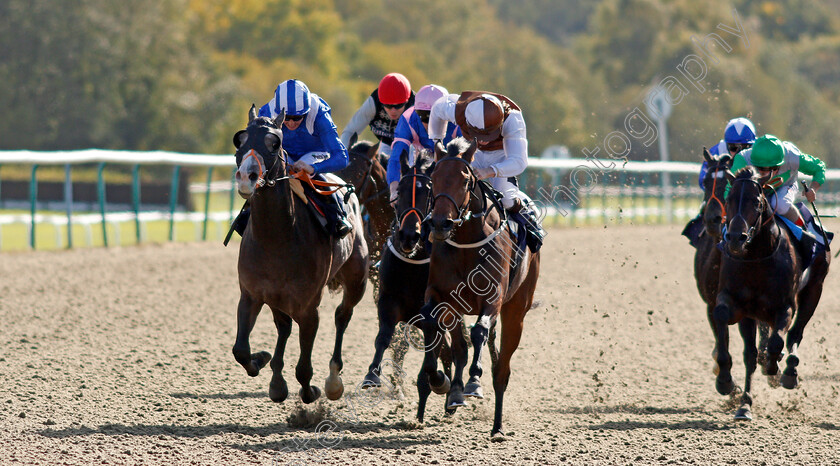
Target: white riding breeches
x,y
783,200
484,159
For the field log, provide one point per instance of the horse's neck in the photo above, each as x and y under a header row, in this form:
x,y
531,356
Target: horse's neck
x,y
273,215
479,225
767,238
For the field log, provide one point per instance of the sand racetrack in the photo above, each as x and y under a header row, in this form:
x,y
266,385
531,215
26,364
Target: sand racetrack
x,y
123,356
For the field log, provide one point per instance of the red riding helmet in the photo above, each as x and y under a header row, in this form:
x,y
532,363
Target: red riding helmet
x,y
394,89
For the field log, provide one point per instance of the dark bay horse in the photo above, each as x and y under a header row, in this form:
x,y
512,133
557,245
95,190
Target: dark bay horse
x,y
762,279
367,174
707,256
286,260
404,272
475,269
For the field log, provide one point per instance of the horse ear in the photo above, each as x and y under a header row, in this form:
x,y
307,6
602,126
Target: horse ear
x,y
468,155
726,159
281,117
252,114
707,155
440,150
239,138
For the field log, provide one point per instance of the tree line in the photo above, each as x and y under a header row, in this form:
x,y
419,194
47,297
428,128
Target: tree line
x,y
180,75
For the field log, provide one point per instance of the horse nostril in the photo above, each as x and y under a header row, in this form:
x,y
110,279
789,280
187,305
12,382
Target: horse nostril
x,y
252,176
717,219
238,175
742,237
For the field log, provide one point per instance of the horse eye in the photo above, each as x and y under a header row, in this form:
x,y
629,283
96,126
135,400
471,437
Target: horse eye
x,y
272,142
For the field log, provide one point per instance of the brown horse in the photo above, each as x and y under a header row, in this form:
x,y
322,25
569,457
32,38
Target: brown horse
x,y
286,260
367,174
476,269
762,279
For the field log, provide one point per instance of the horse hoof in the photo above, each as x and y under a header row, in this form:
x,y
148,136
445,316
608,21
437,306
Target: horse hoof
x,y
743,414
474,390
450,411
371,381
725,387
278,392
774,381
790,381
497,436
334,389
455,399
313,394
444,387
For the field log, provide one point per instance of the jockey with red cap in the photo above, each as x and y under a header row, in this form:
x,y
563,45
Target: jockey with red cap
x,y
381,111
496,122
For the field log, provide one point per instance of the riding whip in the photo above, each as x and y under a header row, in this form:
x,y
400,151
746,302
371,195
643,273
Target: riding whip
x,y
817,214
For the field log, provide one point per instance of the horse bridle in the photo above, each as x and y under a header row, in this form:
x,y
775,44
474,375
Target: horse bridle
x,y
716,172
758,224
414,208
368,176
464,212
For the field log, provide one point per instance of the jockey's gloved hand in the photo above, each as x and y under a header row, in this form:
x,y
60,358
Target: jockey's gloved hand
x,y
393,187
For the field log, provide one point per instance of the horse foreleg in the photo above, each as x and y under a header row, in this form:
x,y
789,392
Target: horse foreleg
x,y
455,399
446,362
246,317
277,389
308,328
432,337
721,314
479,335
491,345
747,328
387,323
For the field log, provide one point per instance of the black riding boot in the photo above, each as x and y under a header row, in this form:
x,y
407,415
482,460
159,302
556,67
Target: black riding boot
x,y
337,221
694,228
527,217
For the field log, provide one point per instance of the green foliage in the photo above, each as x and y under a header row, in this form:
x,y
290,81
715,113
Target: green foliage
x,y
181,74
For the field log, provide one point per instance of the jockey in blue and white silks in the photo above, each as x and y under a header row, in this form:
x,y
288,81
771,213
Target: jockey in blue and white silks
x,y
738,135
412,133
311,140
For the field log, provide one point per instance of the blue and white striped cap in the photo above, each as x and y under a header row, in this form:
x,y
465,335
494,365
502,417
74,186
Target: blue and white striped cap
x,y
293,95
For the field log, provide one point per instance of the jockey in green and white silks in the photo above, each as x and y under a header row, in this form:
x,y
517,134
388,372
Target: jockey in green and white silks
x,y
779,162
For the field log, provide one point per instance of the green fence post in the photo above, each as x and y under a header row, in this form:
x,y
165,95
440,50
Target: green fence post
x,y
68,198
173,200
232,192
605,179
33,201
135,199
207,202
100,187
622,181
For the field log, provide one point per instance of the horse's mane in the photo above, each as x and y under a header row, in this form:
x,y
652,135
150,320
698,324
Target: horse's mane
x,y
360,148
424,159
457,146
746,173
262,121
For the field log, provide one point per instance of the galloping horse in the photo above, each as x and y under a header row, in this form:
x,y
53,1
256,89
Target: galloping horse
x,y
367,174
404,271
707,256
762,279
285,260
477,269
